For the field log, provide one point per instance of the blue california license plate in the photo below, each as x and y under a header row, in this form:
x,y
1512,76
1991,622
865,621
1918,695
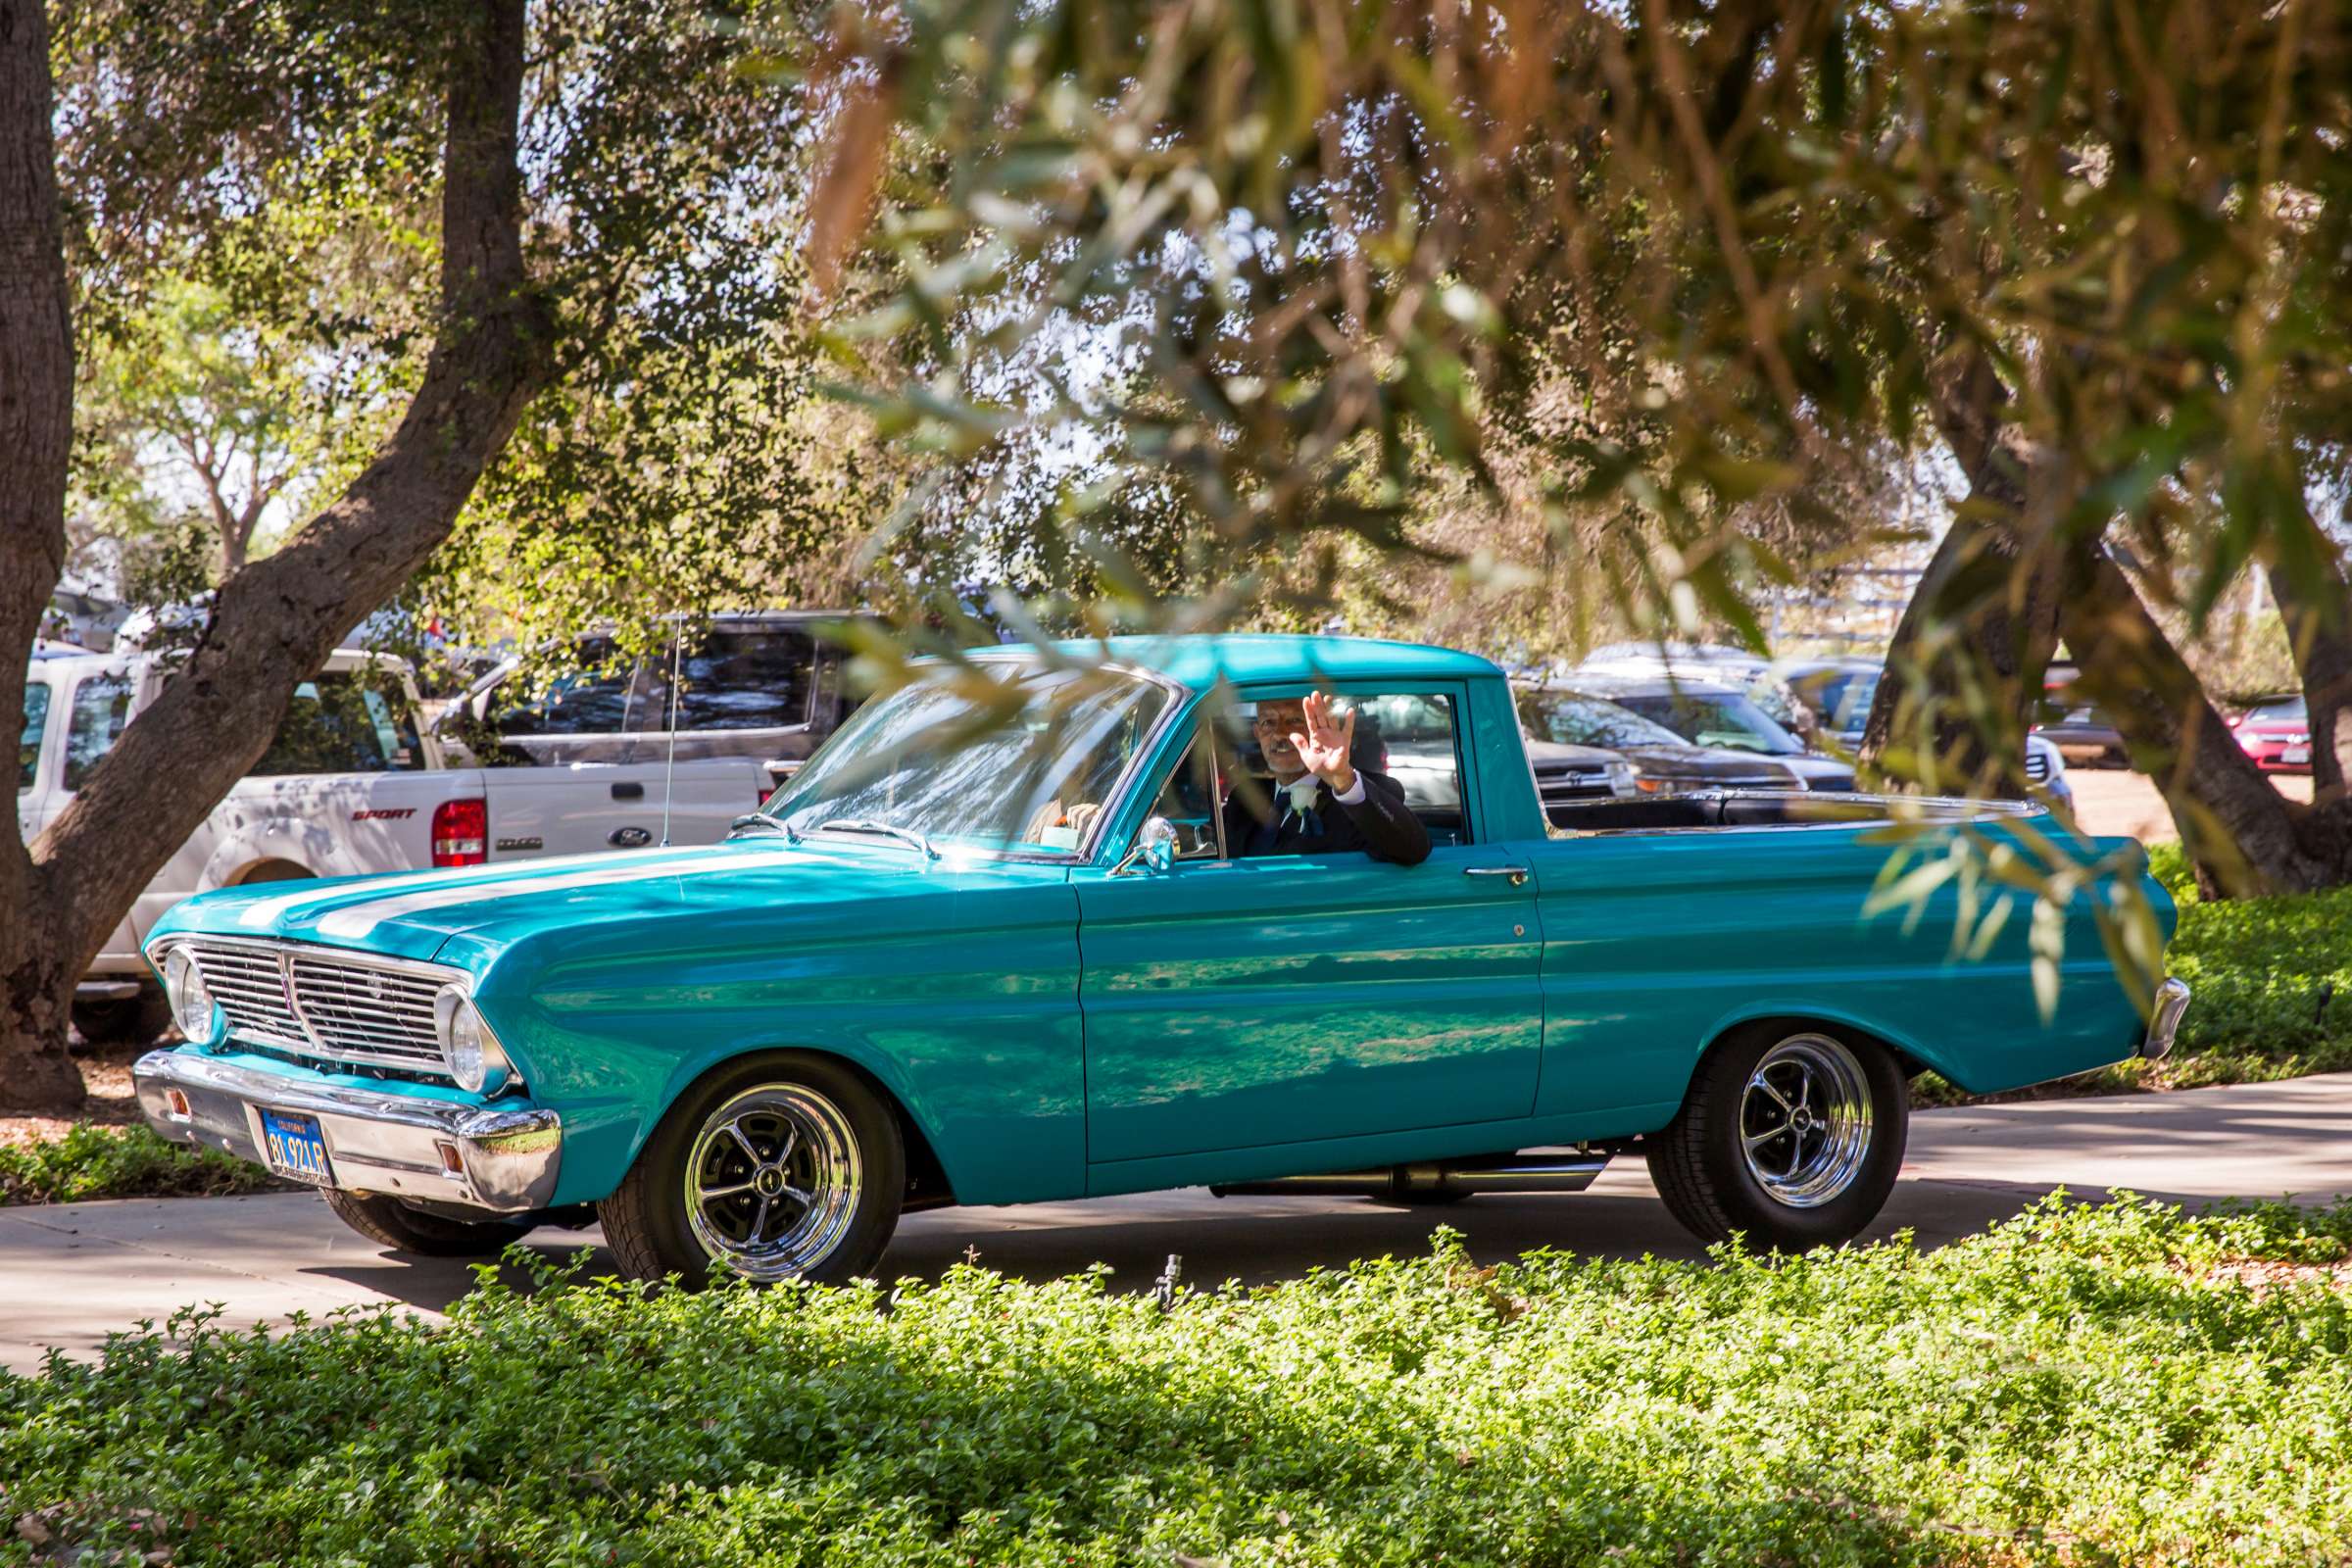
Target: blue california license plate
x,y
295,1147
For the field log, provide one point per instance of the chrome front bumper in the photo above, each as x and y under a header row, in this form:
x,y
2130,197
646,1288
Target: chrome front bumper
x,y
504,1161
2172,1001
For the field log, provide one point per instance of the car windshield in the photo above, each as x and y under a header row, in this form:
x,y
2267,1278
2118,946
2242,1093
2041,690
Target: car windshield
x,y
2279,710
1568,719
1710,719
997,754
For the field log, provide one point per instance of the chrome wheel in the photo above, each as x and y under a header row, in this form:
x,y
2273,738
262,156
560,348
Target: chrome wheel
x,y
1805,1120
772,1181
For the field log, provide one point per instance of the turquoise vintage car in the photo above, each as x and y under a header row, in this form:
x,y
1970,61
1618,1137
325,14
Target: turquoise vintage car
x,y
994,945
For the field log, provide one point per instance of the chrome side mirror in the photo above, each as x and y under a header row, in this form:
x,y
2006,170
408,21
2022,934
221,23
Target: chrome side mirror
x,y
1153,849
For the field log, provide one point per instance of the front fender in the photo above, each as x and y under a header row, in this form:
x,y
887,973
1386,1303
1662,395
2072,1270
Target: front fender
x,y
972,1026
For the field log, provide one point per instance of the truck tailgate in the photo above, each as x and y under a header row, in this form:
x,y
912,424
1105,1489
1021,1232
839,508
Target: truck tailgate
x,y
582,808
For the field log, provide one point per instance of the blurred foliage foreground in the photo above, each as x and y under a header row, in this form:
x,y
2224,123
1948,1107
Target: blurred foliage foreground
x,y
2111,1384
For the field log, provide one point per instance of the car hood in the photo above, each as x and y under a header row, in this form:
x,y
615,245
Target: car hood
x,y
468,917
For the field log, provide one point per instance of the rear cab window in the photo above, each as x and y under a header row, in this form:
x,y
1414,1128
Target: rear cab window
x,y
344,722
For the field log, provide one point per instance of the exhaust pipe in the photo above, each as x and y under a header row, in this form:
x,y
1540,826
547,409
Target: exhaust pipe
x,y
1569,1171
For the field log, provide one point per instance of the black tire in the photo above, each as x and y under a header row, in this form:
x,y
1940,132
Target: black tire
x,y
128,1021
1834,1188
389,1222
846,1155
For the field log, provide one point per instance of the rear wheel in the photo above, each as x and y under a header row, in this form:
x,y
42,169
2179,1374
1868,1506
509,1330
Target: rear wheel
x,y
1790,1136
781,1168
389,1222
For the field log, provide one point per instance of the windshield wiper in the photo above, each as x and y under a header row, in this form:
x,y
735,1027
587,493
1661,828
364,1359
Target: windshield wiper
x,y
859,824
762,822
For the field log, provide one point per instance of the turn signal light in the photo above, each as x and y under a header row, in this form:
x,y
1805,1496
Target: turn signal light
x,y
462,832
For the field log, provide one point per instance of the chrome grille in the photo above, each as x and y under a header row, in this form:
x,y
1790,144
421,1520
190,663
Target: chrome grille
x,y
1571,783
250,984
364,1013
375,1011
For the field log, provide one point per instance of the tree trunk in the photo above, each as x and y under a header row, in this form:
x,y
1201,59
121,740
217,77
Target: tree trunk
x,y
277,620
2243,835
36,435
2318,616
1964,672
1969,654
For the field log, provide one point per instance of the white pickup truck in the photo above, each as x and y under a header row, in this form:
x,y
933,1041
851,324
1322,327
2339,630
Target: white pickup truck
x,y
348,787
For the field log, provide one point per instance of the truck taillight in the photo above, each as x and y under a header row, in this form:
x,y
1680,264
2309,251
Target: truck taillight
x,y
462,832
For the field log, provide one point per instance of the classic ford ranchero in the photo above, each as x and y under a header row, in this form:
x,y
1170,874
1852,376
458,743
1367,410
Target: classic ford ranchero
x,y
997,943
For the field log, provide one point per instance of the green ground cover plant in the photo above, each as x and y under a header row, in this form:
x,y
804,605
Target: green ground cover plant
x,y
2273,979
2112,1385
91,1161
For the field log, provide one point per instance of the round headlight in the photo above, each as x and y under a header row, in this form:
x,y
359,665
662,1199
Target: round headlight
x,y
191,999
466,1043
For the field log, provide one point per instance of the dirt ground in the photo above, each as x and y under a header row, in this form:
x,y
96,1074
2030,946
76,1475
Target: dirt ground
x,y
112,1103
2112,800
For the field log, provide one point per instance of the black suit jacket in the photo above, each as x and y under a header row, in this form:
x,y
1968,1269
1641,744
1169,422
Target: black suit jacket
x,y
1380,825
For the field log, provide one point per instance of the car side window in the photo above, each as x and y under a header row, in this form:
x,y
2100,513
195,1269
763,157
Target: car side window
x,y
36,723
737,679
342,722
1412,737
596,701
101,709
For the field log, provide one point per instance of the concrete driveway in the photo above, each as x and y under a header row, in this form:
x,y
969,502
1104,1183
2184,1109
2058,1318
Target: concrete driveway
x,y
70,1274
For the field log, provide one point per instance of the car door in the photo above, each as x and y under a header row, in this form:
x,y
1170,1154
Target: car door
x,y
1239,1003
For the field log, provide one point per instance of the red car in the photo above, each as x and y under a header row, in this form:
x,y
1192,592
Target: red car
x,y
2276,733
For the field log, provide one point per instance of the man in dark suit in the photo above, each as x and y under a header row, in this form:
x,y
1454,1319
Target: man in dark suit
x,y
1320,803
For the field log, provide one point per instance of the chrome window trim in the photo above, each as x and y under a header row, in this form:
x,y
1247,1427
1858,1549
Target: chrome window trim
x,y
285,953
1953,807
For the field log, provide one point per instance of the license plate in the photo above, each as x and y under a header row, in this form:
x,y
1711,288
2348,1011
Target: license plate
x,y
295,1147
2294,754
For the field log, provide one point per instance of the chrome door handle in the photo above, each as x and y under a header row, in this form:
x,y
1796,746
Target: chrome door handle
x,y
1517,873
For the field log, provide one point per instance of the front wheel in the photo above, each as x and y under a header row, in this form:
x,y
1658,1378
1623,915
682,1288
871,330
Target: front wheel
x,y
388,1222
781,1168
1790,1136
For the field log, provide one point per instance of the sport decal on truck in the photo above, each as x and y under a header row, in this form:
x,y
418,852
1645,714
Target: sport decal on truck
x,y
383,813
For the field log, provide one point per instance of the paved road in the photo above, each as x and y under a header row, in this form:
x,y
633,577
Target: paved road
x,y
69,1274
